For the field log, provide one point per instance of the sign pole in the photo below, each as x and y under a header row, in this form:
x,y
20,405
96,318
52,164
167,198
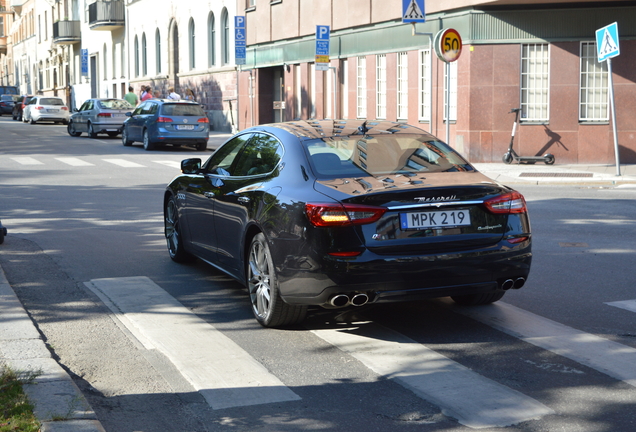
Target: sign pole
x,y
613,111
447,107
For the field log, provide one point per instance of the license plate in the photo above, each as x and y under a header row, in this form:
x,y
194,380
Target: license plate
x,y
434,219
52,110
185,127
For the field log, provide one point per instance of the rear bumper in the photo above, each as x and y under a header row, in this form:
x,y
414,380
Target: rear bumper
x,y
387,279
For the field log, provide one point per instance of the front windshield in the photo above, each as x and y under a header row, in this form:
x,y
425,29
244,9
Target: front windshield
x,y
356,156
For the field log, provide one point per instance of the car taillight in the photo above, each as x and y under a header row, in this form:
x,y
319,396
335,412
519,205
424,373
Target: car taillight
x,y
164,120
325,215
64,108
38,107
512,202
104,115
203,120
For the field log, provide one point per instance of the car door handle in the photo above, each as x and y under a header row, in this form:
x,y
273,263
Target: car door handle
x,y
243,199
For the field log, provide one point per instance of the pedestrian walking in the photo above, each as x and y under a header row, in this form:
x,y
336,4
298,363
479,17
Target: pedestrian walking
x,y
148,94
173,95
189,95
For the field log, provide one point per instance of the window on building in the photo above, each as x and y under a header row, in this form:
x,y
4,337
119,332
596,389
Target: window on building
x,y
158,51
144,55
345,88
535,85
403,86
250,4
225,37
452,109
380,86
211,40
594,96
191,44
136,56
361,88
424,85
2,26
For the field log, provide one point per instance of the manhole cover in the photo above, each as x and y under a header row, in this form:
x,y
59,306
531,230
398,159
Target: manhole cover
x,y
551,174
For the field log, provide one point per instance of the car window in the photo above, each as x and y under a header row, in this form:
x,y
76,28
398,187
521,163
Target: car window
x,y
139,108
222,160
114,104
355,156
259,156
51,101
189,110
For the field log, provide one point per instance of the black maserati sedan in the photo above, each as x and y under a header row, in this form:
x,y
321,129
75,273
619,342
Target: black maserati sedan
x,y
341,213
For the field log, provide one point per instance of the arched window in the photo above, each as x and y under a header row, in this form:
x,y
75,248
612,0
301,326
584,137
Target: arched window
x,y
158,51
191,43
211,40
144,55
136,56
225,37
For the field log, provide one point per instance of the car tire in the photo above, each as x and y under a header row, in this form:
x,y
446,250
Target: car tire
x,y
478,299
202,146
91,131
148,145
262,284
172,231
14,117
32,121
124,138
70,128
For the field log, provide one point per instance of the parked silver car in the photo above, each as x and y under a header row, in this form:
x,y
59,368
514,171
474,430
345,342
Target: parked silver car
x,y
46,108
96,116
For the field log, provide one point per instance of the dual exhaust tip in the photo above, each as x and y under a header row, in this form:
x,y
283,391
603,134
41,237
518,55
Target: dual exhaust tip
x,y
342,300
513,283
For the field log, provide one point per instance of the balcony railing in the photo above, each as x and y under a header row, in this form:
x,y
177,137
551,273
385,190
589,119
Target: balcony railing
x,y
106,14
66,32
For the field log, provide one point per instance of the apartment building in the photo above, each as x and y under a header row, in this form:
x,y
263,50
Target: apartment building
x,y
536,55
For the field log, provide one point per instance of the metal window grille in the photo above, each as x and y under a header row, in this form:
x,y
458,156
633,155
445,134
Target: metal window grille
x,y
361,87
594,95
424,90
380,86
535,82
452,110
403,85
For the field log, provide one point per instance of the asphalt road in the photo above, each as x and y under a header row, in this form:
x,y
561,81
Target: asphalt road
x,y
154,345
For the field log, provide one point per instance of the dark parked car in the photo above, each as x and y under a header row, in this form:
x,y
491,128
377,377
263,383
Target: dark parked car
x,y
7,102
3,233
99,116
18,108
344,213
162,121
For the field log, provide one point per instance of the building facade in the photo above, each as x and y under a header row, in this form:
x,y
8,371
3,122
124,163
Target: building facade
x,y
537,56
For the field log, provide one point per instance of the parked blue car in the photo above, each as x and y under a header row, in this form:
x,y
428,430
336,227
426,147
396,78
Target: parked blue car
x,y
162,121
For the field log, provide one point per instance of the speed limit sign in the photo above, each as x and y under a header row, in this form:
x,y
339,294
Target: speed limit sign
x,y
448,45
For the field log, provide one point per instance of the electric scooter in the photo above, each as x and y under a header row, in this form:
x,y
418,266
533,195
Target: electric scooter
x,y
511,155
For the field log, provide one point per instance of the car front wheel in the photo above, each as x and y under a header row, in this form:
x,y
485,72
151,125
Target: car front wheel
x,y
124,138
268,307
70,128
172,231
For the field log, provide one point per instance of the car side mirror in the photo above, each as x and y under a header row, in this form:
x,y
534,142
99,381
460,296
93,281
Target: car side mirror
x,y
128,114
190,166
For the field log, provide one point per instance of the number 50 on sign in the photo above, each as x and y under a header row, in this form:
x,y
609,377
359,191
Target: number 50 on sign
x,y
448,45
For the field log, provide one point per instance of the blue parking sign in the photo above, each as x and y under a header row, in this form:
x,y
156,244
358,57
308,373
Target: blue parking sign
x,y
239,40
84,61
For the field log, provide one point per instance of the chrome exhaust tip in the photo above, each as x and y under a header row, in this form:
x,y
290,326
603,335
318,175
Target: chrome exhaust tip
x,y
519,282
508,283
359,299
339,300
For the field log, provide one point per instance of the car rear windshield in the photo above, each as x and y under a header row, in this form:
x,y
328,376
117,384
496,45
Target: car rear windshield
x,y
356,156
51,101
187,110
114,104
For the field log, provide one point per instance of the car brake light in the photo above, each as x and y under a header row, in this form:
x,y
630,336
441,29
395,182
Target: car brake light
x,y
64,108
512,202
104,115
203,120
164,120
38,107
335,214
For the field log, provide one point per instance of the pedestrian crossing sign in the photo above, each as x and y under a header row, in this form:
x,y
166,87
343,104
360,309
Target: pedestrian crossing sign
x,y
607,42
413,11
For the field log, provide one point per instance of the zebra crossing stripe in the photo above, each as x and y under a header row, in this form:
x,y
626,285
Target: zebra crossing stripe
x,y
124,163
611,358
224,374
472,399
171,164
74,161
629,305
26,160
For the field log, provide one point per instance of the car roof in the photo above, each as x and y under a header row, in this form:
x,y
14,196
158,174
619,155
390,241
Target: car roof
x,y
312,129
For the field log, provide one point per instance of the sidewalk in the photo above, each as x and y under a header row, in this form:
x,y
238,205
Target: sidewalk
x,y
542,174
59,404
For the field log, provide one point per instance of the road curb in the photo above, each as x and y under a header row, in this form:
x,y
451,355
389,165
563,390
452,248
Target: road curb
x,y
58,403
